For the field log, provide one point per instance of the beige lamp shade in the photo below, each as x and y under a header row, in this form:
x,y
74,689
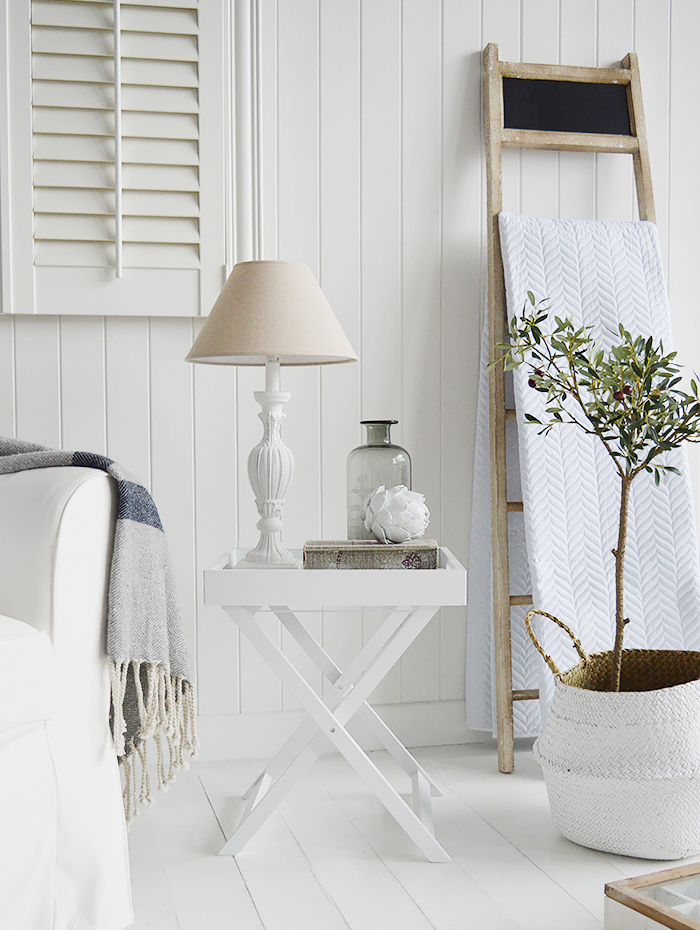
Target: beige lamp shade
x,y
271,310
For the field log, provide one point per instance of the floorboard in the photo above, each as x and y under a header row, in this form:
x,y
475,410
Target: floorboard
x,y
332,858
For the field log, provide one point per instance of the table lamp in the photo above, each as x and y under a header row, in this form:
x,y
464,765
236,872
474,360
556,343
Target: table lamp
x,y
271,313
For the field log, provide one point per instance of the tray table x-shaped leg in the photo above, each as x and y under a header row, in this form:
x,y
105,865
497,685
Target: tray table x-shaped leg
x,y
328,717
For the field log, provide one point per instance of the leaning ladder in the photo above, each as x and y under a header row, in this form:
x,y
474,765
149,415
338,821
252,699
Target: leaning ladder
x,y
554,107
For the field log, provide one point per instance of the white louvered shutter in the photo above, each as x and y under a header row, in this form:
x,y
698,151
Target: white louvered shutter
x,y
127,157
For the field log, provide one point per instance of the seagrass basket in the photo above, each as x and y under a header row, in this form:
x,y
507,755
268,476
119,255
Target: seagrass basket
x,y
622,769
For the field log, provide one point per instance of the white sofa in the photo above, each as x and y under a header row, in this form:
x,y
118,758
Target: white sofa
x,y
63,848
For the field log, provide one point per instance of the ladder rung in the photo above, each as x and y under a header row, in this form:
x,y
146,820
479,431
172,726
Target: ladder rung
x,y
567,141
518,69
510,413
514,506
518,600
531,695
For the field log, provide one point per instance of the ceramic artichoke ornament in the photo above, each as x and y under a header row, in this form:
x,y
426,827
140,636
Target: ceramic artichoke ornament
x,y
395,515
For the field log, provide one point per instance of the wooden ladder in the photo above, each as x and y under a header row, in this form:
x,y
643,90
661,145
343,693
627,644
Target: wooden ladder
x,y
560,108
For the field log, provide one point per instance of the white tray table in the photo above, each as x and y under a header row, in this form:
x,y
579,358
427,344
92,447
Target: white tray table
x,y
413,597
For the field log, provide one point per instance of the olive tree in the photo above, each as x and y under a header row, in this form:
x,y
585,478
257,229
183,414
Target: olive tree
x,y
629,397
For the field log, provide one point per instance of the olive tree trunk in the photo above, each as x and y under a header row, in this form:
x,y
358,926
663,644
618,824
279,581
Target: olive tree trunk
x,y
619,553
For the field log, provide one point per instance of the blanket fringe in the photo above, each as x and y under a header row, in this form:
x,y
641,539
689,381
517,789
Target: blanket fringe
x,y
167,709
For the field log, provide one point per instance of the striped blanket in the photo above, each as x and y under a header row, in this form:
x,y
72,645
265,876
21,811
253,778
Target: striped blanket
x,y
152,694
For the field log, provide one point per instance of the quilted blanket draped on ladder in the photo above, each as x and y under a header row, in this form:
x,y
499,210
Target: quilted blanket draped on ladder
x,y
602,274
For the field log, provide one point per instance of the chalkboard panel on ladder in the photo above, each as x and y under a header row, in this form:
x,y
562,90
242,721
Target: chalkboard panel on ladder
x,y
560,108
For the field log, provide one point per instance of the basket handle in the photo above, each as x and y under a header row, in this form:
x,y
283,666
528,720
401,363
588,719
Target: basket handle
x,y
548,659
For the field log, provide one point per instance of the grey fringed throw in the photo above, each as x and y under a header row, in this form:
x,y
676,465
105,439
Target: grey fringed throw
x,y
152,695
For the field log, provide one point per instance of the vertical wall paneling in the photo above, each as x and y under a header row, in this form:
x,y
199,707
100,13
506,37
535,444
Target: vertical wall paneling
x,y
371,172
7,377
172,460
380,230
577,45
83,412
260,688
461,301
501,24
651,43
38,380
298,240
539,189
340,277
339,244
244,66
577,33
215,463
616,197
684,194
389,690
268,124
421,154
127,393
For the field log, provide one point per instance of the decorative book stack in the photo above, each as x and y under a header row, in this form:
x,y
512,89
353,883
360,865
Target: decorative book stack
x,y
360,553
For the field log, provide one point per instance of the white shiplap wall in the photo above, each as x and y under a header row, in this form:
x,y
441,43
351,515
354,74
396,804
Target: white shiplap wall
x,y
373,175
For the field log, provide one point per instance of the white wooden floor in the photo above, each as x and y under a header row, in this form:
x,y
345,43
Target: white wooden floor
x,y
331,857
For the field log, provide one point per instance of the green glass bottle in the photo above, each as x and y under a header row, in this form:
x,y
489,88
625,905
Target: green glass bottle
x,y
377,462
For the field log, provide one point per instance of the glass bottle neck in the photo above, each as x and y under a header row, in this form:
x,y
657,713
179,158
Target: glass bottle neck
x,y
378,434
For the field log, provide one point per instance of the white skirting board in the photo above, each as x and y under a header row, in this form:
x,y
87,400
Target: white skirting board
x,y
257,736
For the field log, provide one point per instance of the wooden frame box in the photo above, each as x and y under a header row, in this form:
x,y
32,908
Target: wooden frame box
x,y
661,899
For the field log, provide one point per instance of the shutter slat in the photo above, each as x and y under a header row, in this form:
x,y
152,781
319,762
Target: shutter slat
x,y
170,4
175,126
73,96
159,203
101,255
73,69
81,202
95,15
136,177
160,152
101,96
100,70
159,48
74,228
159,99
179,4
178,126
163,21
55,40
101,149
59,41
73,134
94,228
54,121
160,178
73,174
72,148
147,229
101,203
159,73
76,15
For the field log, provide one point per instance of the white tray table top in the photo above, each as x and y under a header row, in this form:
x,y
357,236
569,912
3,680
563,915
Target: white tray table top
x,y
445,586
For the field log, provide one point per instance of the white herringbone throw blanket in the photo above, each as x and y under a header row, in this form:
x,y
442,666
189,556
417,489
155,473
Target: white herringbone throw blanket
x,y
601,274
152,695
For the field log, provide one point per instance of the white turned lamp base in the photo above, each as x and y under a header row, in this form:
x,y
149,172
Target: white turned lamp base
x,y
270,469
